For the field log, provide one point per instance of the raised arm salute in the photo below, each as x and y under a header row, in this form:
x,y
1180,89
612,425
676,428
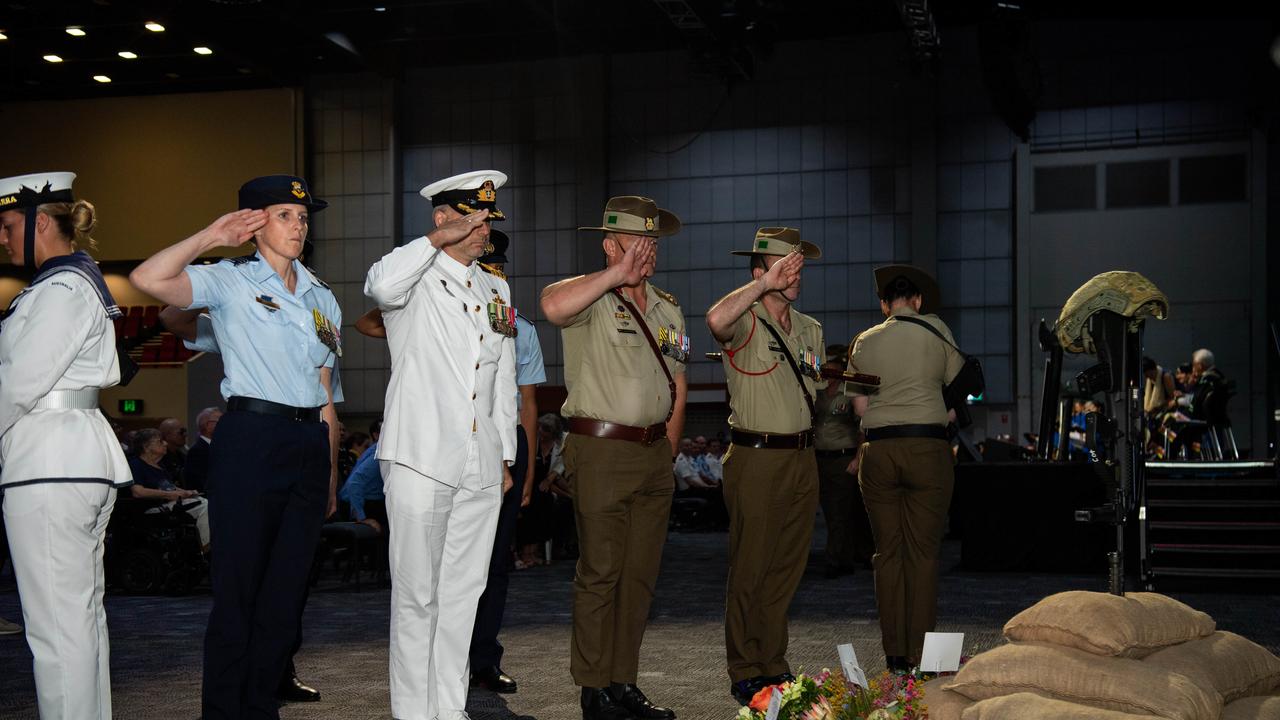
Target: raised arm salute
x,y
625,351
449,437
771,360
272,469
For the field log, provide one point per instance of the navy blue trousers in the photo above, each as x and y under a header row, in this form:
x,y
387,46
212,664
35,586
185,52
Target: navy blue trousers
x,y
486,651
269,486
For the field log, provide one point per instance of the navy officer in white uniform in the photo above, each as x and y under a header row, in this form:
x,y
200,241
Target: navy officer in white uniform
x,y
61,461
448,439
272,469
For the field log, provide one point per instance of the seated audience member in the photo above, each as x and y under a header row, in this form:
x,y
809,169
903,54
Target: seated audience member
x,y
549,515
375,431
352,448
1183,381
715,451
174,435
362,485
196,469
685,470
1209,382
1160,395
151,482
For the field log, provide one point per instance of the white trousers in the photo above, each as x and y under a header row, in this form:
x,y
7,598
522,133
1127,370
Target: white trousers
x,y
56,535
440,541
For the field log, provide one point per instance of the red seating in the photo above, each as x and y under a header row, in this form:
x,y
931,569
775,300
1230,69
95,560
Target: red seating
x,y
135,311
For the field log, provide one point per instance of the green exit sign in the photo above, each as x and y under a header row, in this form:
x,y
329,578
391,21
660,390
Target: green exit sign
x,y
131,406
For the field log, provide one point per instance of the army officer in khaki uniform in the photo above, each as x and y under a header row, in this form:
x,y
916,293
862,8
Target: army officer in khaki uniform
x,y
625,351
771,361
906,471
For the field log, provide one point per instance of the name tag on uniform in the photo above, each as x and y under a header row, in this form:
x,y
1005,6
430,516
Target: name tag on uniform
x,y
502,318
327,332
673,344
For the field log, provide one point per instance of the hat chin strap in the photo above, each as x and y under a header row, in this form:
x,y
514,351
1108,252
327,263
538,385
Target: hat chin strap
x,y
29,241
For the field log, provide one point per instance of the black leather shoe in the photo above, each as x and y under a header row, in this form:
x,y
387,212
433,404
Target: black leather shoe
x,y
492,678
292,690
598,704
744,690
630,697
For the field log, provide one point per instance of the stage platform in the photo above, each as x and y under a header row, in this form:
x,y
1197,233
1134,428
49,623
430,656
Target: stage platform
x,y
156,641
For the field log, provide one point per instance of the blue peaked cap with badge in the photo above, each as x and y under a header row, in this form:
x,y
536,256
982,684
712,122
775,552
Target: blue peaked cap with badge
x,y
268,190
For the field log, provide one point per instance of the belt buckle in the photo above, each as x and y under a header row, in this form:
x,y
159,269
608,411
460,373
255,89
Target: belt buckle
x,y
802,441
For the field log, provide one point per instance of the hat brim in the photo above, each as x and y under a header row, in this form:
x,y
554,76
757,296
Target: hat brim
x,y
668,224
930,296
808,249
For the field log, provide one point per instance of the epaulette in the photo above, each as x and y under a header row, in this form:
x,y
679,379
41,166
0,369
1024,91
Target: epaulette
x,y
316,278
665,295
493,271
241,260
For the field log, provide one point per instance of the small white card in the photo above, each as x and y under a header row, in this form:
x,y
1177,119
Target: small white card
x,y
775,704
852,670
941,652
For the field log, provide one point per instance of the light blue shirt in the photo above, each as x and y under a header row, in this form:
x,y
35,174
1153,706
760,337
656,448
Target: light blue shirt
x,y
269,338
529,367
364,483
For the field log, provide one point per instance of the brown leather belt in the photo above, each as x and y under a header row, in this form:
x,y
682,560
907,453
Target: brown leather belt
x,y
615,431
772,441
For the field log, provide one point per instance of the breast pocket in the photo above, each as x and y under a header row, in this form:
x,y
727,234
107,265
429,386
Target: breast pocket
x,y
627,337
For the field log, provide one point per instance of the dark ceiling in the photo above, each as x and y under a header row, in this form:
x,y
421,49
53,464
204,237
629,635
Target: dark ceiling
x,y
265,43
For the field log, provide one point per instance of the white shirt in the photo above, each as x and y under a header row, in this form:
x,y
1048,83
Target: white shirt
x,y
684,469
58,337
715,467
453,377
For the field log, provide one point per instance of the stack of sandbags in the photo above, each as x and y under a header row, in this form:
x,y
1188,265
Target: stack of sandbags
x,y
1093,656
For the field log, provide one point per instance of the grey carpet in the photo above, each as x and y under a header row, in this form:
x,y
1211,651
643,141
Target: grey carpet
x,y
156,641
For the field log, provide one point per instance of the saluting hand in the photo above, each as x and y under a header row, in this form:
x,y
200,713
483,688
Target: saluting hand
x,y
234,229
456,230
635,261
784,272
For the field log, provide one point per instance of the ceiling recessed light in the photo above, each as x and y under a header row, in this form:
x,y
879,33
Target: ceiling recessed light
x,y
102,78
128,54
154,26
3,36
379,9
202,50
172,75
52,58
76,31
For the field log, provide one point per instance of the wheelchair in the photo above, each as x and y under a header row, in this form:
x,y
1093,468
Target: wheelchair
x,y
149,553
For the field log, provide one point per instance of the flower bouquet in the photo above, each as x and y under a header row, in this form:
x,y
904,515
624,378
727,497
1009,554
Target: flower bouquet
x,y
828,696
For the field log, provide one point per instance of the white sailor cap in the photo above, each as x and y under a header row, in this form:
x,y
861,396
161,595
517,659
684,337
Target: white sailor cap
x,y
469,192
28,191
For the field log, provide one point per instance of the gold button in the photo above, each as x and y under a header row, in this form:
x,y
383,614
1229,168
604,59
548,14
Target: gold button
x,y
473,396
468,283
481,338
477,366
477,308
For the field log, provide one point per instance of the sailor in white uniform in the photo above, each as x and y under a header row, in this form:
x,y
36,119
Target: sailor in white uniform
x,y
448,439
61,461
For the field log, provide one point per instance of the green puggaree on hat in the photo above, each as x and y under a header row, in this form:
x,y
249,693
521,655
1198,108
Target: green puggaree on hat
x,y
780,241
635,215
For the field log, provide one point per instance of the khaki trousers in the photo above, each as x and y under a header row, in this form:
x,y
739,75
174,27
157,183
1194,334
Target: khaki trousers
x,y
849,542
906,485
772,498
621,502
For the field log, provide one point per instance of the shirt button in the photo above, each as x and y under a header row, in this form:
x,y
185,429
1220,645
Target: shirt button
x,y
477,308
477,366
473,396
481,338
468,283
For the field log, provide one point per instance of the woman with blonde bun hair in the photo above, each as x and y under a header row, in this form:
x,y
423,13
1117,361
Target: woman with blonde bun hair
x,y
61,463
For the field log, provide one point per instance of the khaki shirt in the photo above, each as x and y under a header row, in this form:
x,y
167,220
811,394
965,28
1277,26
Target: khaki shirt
x,y
609,367
764,396
836,425
913,365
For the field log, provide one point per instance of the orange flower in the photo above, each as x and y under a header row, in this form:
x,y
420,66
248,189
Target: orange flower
x,y
760,701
